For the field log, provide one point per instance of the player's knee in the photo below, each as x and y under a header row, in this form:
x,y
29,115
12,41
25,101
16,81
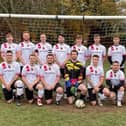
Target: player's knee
x,y
39,87
59,90
121,88
106,92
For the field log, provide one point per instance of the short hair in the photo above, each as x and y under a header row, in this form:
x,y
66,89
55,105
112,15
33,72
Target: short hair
x,y
26,32
115,62
96,56
96,35
42,33
50,54
116,36
32,55
79,36
74,51
8,35
61,35
9,51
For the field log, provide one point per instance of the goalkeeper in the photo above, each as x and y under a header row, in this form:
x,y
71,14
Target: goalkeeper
x,y
74,78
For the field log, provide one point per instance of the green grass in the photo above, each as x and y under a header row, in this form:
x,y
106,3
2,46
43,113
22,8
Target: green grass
x,y
64,115
31,115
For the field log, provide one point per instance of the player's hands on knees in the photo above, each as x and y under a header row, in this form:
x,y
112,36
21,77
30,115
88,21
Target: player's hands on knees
x,y
96,89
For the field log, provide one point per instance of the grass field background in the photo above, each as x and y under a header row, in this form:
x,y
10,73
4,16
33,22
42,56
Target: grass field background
x,y
64,115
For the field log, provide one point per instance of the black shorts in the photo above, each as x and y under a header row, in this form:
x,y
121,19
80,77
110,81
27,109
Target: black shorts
x,y
49,93
93,96
8,94
21,67
62,72
84,72
29,93
115,90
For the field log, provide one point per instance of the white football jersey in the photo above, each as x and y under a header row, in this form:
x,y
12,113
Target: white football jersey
x,y
99,50
30,72
26,48
10,46
82,53
8,71
49,73
115,77
43,50
95,73
61,51
117,52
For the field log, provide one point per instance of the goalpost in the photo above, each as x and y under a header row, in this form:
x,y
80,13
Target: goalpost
x,y
69,25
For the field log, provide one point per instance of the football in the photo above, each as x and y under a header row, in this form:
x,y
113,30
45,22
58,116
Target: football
x,y
79,103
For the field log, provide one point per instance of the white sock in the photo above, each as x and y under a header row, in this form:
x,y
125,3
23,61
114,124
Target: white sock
x,y
58,96
101,96
20,91
120,95
40,93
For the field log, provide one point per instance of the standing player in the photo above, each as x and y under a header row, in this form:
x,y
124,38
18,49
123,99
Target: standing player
x,y
95,79
50,77
26,48
82,51
74,78
30,76
42,48
97,49
117,52
61,52
115,79
9,45
9,71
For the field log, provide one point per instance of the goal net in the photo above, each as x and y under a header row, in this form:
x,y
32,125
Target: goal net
x,y
70,26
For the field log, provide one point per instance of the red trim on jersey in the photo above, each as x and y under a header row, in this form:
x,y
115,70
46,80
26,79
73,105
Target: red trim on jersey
x,y
91,69
39,45
74,47
5,45
45,68
112,48
22,44
57,47
27,68
92,47
4,66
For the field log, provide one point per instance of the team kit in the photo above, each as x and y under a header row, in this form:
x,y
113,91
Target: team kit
x,y
36,70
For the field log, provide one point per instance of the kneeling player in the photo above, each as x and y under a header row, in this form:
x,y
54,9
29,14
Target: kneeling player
x,y
95,79
9,73
115,79
50,77
74,78
30,76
